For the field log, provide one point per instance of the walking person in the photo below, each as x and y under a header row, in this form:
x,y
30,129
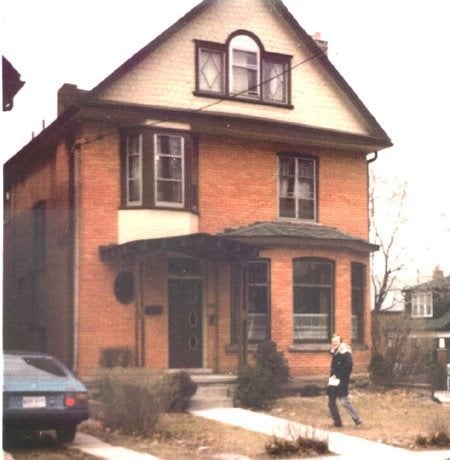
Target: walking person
x,y
340,370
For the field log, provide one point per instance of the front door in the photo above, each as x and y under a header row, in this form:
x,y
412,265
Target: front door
x,y
185,323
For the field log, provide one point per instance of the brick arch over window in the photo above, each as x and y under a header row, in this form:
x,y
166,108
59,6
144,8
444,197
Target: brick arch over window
x,y
313,309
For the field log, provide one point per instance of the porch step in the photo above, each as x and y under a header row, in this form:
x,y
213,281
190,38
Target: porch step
x,y
214,390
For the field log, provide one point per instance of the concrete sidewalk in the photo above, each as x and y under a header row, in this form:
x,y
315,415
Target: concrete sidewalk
x,y
93,446
345,446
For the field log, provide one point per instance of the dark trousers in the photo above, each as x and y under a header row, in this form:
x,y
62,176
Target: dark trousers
x,y
346,404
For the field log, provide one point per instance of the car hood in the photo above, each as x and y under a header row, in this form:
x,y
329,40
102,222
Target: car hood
x,y
55,384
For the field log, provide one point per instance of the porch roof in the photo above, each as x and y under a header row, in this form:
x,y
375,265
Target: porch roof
x,y
288,233
203,245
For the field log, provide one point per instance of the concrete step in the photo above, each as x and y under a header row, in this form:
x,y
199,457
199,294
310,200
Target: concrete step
x,y
214,390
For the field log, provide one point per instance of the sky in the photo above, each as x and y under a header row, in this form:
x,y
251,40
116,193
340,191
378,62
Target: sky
x,y
394,54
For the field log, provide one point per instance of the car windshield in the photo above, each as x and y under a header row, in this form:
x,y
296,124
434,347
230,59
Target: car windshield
x,y
32,366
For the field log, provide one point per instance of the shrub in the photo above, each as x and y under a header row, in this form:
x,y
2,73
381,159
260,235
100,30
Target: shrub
x,y
267,357
176,390
310,391
380,369
116,357
438,433
132,399
255,387
304,446
258,385
130,407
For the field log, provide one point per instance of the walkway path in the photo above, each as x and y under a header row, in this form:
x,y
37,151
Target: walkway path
x,y
347,447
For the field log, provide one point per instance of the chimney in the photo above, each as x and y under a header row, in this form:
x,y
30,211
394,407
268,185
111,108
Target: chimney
x,y
438,273
68,95
322,44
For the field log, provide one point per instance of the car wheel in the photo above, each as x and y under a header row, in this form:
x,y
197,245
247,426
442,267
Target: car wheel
x,y
66,434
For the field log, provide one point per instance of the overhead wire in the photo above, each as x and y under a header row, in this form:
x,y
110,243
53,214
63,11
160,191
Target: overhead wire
x,y
235,96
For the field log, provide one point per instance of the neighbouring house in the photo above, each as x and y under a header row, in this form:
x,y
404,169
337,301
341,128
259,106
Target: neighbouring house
x,y
209,194
428,307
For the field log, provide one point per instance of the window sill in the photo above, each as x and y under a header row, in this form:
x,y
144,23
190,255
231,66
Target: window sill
x,y
309,347
233,348
243,99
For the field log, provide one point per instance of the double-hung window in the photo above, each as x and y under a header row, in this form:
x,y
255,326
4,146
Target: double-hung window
x,y
241,69
169,170
313,299
159,169
422,304
297,184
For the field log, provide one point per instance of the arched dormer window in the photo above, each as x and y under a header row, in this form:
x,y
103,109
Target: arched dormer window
x,y
244,66
241,69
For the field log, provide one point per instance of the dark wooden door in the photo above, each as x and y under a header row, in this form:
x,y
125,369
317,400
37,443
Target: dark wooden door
x,y
185,324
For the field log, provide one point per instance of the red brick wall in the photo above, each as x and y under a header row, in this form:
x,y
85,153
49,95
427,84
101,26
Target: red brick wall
x,y
238,185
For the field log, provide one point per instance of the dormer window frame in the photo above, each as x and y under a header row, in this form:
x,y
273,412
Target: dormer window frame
x,y
217,69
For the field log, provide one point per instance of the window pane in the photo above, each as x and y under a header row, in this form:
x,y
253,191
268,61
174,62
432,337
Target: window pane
x,y
244,81
169,192
245,58
134,169
134,190
134,166
169,168
306,209
169,145
211,71
287,207
257,273
287,166
274,82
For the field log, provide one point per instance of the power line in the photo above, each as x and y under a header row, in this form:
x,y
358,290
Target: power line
x,y
235,96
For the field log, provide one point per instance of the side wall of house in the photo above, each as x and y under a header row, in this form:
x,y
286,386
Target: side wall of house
x,y
38,256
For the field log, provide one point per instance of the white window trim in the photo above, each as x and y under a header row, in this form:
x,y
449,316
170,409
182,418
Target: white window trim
x,y
422,304
246,44
296,187
137,202
168,204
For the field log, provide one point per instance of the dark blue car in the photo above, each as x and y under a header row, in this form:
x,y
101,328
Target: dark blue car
x,y
40,393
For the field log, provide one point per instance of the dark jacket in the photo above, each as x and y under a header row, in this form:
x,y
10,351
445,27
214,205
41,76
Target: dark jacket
x,y
341,367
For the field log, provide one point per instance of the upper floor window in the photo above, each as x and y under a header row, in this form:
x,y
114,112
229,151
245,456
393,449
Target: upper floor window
x,y
297,187
242,69
159,169
422,304
313,299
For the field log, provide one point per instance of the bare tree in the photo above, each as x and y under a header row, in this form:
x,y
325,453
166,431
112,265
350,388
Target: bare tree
x,y
386,219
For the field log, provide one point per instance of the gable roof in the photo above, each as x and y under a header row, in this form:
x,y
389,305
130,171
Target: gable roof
x,y
298,234
439,284
316,52
377,140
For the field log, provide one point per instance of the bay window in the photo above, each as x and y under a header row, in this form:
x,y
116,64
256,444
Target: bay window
x,y
159,169
313,280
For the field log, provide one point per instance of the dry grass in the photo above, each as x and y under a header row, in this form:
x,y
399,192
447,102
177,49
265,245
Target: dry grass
x,y
394,417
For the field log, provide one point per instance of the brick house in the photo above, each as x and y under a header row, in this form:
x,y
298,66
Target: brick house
x,y
210,193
